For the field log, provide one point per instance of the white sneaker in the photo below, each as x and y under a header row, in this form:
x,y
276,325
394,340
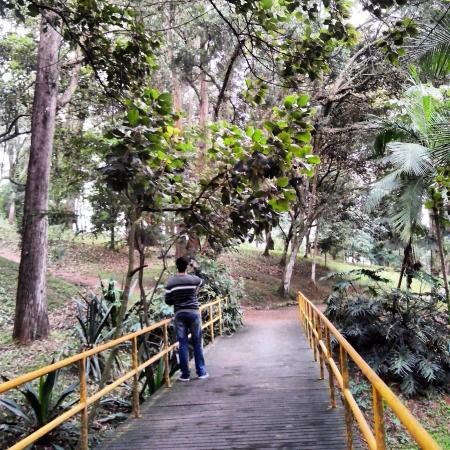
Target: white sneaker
x,y
181,378
202,377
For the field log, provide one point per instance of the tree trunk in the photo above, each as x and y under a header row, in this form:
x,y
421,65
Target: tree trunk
x,y
289,269
307,245
112,237
406,261
287,241
203,119
314,256
441,257
176,88
269,244
12,208
31,318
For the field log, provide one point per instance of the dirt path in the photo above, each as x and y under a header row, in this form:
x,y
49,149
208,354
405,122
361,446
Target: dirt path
x,y
73,278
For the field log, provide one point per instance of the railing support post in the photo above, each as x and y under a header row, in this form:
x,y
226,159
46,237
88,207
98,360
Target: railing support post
x,y
377,403
134,349
220,318
166,356
319,348
345,387
84,443
211,324
308,331
330,370
314,338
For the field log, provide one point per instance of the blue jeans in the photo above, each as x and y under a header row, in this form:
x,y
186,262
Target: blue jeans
x,y
190,322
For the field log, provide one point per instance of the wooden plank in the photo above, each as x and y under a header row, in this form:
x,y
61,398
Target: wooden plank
x,y
263,392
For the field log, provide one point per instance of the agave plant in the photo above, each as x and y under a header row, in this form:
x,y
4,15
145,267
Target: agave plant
x,y
41,406
97,321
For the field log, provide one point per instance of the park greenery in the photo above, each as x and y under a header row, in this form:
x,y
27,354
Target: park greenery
x,y
319,129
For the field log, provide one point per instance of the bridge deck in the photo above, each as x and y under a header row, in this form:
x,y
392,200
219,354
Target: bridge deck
x,y
263,392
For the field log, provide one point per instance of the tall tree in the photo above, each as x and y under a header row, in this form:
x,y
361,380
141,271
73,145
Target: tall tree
x,y
31,319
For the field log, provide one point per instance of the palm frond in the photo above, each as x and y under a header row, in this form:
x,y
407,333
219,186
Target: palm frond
x,y
409,207
383,187
409,158
431,48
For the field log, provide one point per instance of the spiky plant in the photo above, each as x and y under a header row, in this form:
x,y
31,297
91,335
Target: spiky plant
x,y
402,335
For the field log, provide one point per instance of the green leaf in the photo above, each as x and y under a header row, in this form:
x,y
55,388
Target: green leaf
x,y
313,159
283,181
302,100
258,136
266,4
15,409
289,101
133,117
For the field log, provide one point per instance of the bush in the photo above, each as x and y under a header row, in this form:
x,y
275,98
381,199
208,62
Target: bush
x,y
403,336
220,283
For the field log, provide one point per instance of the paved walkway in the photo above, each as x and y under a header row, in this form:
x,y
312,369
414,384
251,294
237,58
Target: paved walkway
x,y
264,392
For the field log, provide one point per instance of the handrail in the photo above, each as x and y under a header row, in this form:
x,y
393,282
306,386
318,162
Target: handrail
x,y
85,399
317,328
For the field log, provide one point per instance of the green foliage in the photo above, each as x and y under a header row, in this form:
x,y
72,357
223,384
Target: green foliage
x,y
403,336
97,319
41,405
88,24
220,284
421,122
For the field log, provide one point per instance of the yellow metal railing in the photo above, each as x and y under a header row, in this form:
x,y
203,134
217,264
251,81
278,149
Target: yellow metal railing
x,y
319,331
214,315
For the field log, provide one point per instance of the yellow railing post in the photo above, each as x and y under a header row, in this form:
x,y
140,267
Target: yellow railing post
x,y
330,370
378,418
220,318
211,322
313,329
84,444
134,356
345,386
308,330
166,356
321,355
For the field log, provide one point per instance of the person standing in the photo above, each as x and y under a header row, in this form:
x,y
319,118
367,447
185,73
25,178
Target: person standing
x,y
181,293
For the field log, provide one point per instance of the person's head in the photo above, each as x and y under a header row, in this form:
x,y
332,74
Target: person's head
x,y
182,263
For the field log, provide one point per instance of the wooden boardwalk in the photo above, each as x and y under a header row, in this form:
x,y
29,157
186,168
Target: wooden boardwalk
x,y
263,392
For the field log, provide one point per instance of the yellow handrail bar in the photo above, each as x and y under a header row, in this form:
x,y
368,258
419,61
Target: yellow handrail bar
x,y
85,399
316,325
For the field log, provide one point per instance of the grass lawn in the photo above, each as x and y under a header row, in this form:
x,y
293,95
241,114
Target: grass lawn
x,y
340,266
19,359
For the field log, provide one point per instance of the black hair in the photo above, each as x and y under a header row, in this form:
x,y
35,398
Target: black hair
x,y
182,262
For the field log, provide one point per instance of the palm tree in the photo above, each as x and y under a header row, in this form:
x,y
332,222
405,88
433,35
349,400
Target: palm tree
x,y
417,144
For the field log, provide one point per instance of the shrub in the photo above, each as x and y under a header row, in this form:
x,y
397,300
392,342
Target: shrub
x,y
402,335
40,407
220,283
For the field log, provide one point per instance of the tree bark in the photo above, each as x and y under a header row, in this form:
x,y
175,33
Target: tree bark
x,y
307,244
203,120
289,268
12,208
406,261
269,244
287,242
176,88
314,256
31,317
112,237
441,257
